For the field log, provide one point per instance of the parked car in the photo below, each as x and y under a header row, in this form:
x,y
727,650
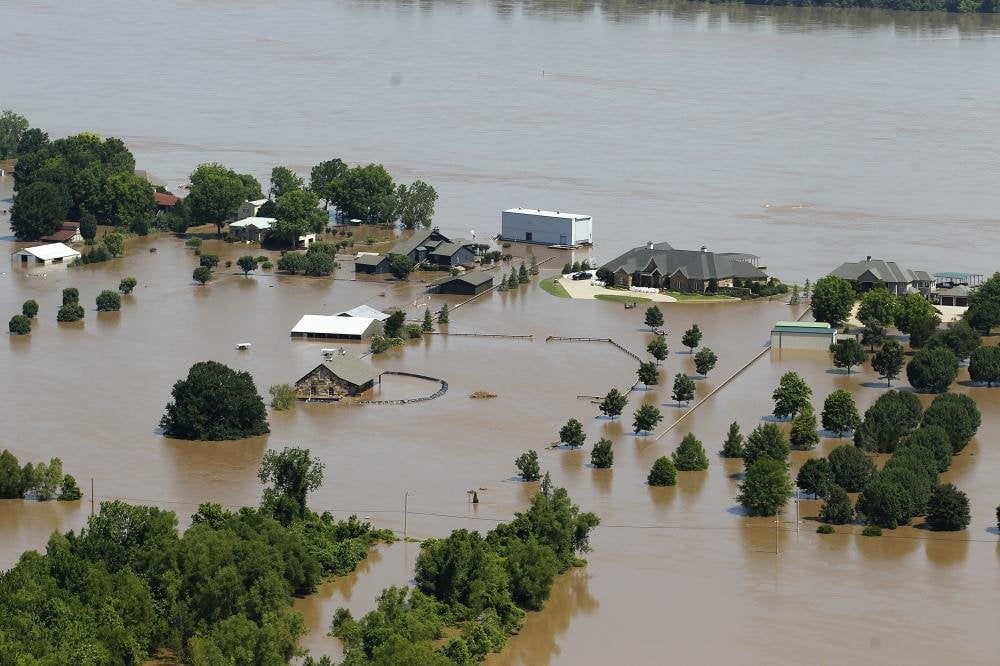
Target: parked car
x,y
582,275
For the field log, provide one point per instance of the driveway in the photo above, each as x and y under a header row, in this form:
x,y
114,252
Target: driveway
x,y
583,289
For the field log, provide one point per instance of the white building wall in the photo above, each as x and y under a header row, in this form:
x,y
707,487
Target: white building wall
x,y
799,340
548,229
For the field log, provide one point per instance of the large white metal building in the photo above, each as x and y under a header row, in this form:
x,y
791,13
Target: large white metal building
x,y
529,225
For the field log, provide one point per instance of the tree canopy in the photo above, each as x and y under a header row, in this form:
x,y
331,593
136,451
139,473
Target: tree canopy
x,y
791,395
683,388
366,193
39,208
893,415
654,317
415,204
888,362
957,414
765,441
815,477
646,418
984,305
732,447
932,369
948,509
850,467
984,365
662,473
12,128
572,433
840,414
689,456
215,402
704,361
692,337
217,192
848,353
613,403
832,300
878,306
959,337
765,488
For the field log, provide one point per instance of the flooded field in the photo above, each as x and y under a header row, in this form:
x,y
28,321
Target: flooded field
x,y
671,567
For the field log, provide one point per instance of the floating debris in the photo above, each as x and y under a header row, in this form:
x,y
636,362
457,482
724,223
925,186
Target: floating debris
x,y
482,394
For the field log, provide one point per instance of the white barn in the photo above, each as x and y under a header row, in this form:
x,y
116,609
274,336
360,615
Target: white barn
x,y
336,327
529,225
52,253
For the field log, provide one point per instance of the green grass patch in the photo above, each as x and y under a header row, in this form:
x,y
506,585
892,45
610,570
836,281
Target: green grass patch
x,y
552,287
699,298
621,299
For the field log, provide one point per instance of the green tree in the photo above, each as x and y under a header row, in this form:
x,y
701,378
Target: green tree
x,y
88,225
657,348
115,243
848,353
654,317
646,418
527,465
795,298
791,395
323,179
934,440
704,361
400,266
889,419
319,264
393,325
836,508
292,262
832,300
443,314
283,396
292,475
663,473
297,213
765,441
29,308
572,433
948,509
765,488
367,193
840,414
11,481
215,402
109,301
683,389
202,274
691,338
732,447
803,435
215,195
70,312
284,180
911,308
884,502
689,456
416,204
932,369
247,263
872,334
69,491
602,456
815,477
614,403
522,274
959,337
922,328
850,467
428,325
648,374
32,140
888,362
533,270
957,414
12,128
125,199
38,210
19,325
878,306
984,365
127,284
984,305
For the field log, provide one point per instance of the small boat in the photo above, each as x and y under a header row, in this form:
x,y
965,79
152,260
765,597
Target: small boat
x,y
243,346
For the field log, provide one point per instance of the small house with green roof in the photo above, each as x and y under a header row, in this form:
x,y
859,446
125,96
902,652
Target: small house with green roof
x,y
815,335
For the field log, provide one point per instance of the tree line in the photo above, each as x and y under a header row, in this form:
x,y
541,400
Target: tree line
x,y
129,585
41,481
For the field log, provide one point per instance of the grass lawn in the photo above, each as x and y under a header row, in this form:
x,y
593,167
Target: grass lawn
x,y
621,299
699,298
552,287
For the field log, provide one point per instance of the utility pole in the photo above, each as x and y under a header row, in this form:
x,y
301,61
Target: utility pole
x,y
406,500
91,495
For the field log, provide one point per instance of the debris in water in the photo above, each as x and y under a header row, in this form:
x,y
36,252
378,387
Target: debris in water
x,y
482,394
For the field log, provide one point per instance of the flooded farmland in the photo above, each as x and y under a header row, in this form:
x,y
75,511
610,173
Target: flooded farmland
x,y
675,572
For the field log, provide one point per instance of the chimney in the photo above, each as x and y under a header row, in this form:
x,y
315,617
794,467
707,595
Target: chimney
x,y
649,245
868,258
704,248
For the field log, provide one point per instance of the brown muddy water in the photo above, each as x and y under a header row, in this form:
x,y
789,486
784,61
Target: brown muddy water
x,y
778,131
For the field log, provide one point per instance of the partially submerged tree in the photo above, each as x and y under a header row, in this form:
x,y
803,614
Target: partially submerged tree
x,y
948,509
840,414
292,475
247,263
663,473
791,395
648,374
704,361
832,300
957,414
109,301
850,467
848,353
654,317
932,369
765,488
815,477
527,465
984,365
803,435
766,441
683,388
657,348
836,509
732,447
215,402
888,362
646,418
572,433
689,456
614,403
602,456
127,285
692,338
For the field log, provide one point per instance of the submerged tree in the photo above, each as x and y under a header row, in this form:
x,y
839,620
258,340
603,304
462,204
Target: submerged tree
x,y
292,475
765,488
215,402
840,415
689,456
683,388
948,509
663,473
572,433
815,477
646,418
602,456
527,465
657,348
888,362
791,395
803,435
614,403
648,374
733,446
654,317
836,509
848,353
691,338
704,361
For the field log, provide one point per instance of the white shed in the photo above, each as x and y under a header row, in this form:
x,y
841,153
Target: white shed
x,y
336,327
528,225
813,335
51,253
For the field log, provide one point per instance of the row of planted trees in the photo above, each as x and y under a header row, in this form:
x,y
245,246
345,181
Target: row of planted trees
x,y
71,310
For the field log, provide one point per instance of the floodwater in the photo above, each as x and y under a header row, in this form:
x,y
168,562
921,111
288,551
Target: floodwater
x,y
679,123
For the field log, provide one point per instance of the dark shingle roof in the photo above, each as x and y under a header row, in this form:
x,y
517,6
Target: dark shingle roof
x,y
475,278
886,271
369,259
349,368
693,264
419,238
447,249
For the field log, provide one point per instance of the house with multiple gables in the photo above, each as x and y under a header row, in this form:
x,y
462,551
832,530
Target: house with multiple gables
x,y
661,266
68,232
871,273
424,246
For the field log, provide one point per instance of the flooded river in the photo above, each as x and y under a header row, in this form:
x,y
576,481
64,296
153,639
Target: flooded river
x,y
728,126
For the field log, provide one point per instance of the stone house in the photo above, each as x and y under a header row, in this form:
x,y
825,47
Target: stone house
x,y
340,376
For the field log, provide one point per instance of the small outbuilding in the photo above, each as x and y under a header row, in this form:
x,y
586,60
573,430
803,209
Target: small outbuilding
x,y
336,327
53,253
251,228
816,335
471,283
529,225
339,376
68,232
372,264
249,208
